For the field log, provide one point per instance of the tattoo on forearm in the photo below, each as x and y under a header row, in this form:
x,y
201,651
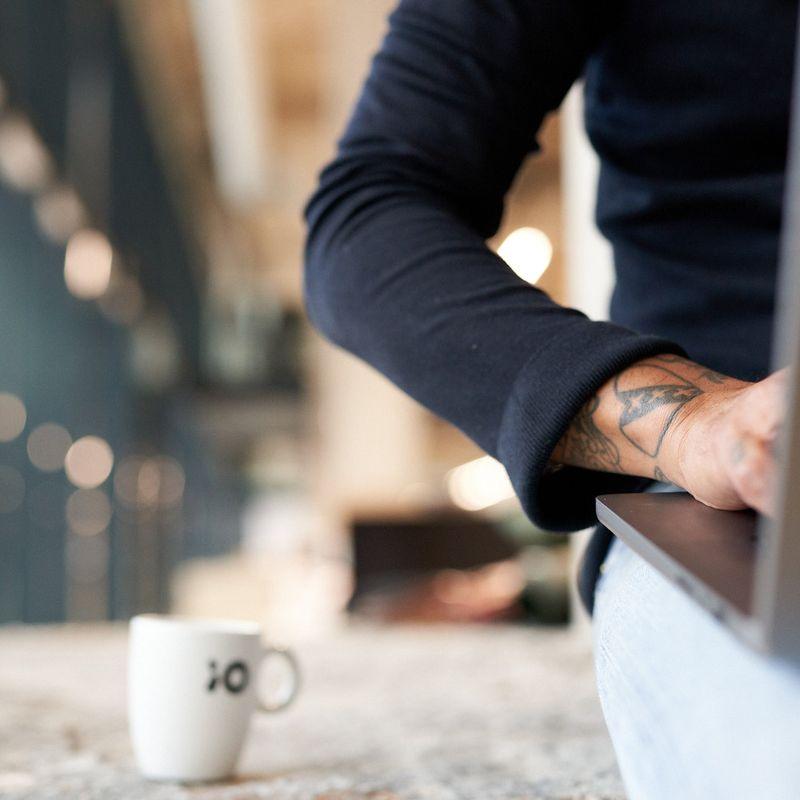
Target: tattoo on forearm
x,y
587,445
713,376
651,396
645,391
659,475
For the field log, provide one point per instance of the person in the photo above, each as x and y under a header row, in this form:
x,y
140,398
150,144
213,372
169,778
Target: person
x,y
687,105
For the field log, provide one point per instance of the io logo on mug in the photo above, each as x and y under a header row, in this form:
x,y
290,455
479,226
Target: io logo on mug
x,y
191,693
235,677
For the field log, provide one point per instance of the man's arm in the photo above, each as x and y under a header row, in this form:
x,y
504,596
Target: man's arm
x,y
397,266
671,419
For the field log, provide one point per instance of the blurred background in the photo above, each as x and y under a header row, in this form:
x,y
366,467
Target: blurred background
x,y
173,435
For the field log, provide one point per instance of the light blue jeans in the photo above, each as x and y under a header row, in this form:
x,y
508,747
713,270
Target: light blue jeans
x,y
693,714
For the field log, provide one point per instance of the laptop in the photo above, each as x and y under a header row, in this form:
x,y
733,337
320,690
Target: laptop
x,y
744,569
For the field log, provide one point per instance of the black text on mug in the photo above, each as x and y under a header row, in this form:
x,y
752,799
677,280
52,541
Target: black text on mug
x,y
234,678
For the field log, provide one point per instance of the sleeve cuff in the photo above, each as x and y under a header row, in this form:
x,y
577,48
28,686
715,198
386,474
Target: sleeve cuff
x,y
547,394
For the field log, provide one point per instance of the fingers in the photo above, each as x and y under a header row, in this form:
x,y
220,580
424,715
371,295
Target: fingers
x,y
757,420
763,409
754,472
729,462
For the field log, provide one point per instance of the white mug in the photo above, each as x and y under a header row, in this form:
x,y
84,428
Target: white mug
x,y
191,693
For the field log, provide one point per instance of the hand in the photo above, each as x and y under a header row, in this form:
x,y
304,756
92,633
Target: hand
x,y
725,444
672,419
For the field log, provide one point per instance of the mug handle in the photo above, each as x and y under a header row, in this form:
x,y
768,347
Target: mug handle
x,y
286,694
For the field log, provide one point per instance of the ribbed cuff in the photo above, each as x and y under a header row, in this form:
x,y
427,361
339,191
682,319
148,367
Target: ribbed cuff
x,y
547,394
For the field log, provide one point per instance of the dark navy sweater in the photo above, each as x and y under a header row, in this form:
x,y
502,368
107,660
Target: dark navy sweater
x,y
687,106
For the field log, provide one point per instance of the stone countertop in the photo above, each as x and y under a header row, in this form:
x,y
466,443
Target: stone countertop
x,y
436,713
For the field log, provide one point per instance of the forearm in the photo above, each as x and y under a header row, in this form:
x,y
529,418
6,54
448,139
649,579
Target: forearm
x,y
635,423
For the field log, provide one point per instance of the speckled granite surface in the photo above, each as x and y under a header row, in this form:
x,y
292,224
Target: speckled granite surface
x,y
398,714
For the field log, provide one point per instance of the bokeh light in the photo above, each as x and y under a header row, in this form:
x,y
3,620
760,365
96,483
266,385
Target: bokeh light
x,y
13,416
479,484
87,264
155,352
89,462
123,303
528,251
88,512
48,445
12,489
25,163
141,482
59,213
